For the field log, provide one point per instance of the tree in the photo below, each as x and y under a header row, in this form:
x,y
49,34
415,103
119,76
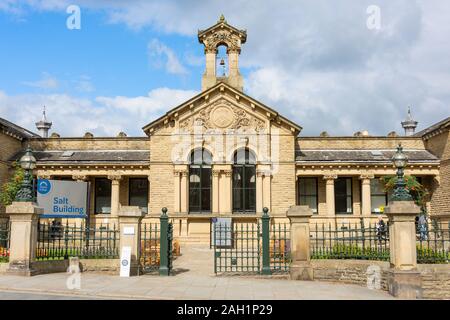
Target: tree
x,y
9,189
419,193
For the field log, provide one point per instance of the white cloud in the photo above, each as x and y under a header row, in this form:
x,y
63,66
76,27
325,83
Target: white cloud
x,y
161,55
315,61
46,82
103,116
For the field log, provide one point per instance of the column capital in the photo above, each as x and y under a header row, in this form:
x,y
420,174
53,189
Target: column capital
x,y
115,177
228,173
366,176
184,173
330,176
44,176
215,173
176,173
80,177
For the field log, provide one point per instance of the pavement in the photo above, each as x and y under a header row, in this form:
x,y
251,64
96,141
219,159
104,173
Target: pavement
x,y
194,279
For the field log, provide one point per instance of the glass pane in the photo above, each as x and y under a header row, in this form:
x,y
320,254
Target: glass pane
x,y
138,193
307,186
237,200
206,178
206,200
194,200
377,203
310,201
250,202
102,195
250,177
376,187
237,177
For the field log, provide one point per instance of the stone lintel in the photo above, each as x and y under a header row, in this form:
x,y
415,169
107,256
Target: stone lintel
x,y
131,212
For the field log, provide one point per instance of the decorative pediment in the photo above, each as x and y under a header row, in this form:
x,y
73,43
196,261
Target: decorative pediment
x,y
222,33
221,108
222,115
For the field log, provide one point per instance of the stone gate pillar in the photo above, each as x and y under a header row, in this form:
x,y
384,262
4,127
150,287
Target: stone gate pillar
x,y
130,227
301,268
24,217
404,280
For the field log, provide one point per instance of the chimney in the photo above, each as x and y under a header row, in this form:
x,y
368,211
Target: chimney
x,y
409,124
44,125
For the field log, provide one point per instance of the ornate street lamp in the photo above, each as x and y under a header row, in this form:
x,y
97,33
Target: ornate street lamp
x,y
27,163
400,192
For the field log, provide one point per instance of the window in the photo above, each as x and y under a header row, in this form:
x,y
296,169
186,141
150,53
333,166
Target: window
x,y
378,198
307,193
200,181
343,195
102,196
244,182
138,193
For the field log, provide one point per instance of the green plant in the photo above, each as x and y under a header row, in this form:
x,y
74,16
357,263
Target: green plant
x,y
9,189
419,193
430,255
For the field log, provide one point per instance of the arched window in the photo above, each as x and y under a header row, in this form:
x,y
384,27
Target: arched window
x,y
244,181
200,181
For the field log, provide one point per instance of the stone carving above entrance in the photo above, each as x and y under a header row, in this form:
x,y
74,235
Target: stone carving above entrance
x,y
223,115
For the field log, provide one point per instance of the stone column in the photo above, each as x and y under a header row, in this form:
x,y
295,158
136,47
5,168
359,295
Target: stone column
x,y
366,203
227,194
215,191
177,193
115,195
330,193
129,223
149,195
404,280
300,268
259,191
184,199
24,217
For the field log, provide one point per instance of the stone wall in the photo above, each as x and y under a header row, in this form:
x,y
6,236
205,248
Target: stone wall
x,y
435,277
118,143
439,145
348,271
111,266
8,147
435,280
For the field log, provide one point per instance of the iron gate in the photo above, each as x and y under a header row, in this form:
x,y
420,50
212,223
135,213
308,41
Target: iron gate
x,y
156,246
252,247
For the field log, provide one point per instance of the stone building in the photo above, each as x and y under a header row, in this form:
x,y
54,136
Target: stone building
x,y
224,154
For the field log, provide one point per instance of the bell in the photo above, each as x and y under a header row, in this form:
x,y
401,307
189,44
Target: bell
x,y
222,62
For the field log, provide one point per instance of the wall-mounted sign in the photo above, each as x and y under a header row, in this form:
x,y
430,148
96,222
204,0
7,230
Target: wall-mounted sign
x,y
62,199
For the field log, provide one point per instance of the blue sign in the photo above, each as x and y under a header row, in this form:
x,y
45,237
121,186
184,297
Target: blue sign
x,y
43,186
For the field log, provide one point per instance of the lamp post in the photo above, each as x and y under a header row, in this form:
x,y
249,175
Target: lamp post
x,y
400,192
27,163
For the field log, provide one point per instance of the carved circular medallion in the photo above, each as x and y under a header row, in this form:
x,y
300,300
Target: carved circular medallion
x,y
222,117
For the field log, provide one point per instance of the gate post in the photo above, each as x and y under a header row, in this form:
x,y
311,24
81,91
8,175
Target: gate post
x,y
24,217
300,268
130,231
164,244
265,242
404,280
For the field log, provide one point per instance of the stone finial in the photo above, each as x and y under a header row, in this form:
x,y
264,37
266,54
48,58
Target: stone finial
x,y
324,134
409,124
55,135
392,134
88,135
122,134
44,125
222,19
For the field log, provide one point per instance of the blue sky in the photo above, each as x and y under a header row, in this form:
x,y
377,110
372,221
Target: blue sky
x,y
314,61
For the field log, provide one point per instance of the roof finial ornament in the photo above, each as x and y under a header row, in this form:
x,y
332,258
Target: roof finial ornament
x,y
44,125
222,18
409,124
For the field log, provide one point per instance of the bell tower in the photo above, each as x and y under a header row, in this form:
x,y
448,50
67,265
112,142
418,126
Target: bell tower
x,y
222,34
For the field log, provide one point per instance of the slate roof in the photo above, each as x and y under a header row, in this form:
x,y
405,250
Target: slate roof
x,y
375,156
15,130
440,125
87,156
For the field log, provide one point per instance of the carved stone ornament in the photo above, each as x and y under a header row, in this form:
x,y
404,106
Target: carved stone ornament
x,y
223,115
222,37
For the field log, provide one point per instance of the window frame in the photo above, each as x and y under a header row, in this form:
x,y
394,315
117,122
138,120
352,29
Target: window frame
x,y
378,195
129,190
203,165
346,196
316,195
243,191
96,179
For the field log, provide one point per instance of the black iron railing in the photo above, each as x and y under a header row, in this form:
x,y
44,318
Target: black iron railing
x,y
349,241
61,241
5,231
433,242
